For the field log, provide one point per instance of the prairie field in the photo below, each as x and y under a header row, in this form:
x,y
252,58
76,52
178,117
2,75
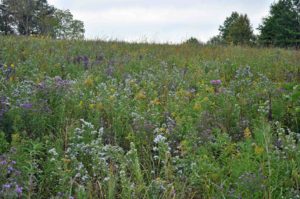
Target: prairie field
x,y
94,119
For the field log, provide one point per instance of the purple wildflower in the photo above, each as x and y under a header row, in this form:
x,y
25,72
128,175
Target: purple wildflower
x,y
41,85
13,162
3,162
26,106
10,169
4,106
216,82
71,197
60,83
57,78
6,186
19,189
85,61
82,59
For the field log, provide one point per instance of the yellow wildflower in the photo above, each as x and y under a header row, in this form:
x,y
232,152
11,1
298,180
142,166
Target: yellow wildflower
x,y
201,82
112,90
247,133
112,97
89,82
12,66
205,99
92,106
162,129
188,94
155,101
210,89
16,138
183,147
258,150
66,160
140,95
180,93
81,103
99,106
197,106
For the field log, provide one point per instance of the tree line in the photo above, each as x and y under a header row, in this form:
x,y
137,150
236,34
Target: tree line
x,y
281,28
37,17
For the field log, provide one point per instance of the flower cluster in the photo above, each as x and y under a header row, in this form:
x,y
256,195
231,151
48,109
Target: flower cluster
x,y
215,82
4,106
89,156
7,71
9,178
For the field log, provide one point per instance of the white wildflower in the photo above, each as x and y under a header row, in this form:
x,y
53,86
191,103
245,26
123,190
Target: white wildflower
x,y
159,138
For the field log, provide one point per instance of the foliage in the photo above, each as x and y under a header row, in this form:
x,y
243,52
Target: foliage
x,y
5,20
37,17
67,27
282,27
94,119
237,29
193,41
215,40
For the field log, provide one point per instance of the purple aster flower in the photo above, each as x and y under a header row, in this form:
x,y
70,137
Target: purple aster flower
x,y
71,197
13,162
3,162
7,186
26,106
216,82
4,106
85,61
41,85
10,169
57,78
19,189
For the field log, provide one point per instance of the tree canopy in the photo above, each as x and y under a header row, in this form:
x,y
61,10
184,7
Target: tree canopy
x,y
282,27
37,17
237,30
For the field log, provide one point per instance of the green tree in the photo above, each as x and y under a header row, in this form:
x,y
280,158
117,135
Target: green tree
x,y
23,14
224,30
37,17
46,20
6,19
282,27
193,41
237,30
67,27
215,40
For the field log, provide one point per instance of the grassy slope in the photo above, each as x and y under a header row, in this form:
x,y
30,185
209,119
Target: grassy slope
x,y
214,141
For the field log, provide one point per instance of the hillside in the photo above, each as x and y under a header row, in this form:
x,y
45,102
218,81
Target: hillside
x,y
95,119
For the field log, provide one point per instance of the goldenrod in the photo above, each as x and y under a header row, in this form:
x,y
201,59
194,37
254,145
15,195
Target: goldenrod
x,y
247,133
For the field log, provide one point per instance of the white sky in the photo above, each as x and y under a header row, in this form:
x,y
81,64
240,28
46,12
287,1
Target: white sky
x,y
159,20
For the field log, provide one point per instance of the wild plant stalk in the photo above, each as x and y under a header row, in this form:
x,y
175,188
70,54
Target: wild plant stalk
x,y
266,135
136,169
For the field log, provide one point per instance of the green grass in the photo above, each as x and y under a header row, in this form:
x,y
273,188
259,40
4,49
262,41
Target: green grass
x,y
94,119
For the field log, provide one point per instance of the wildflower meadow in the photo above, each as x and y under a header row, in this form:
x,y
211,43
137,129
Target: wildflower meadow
x,y
93,119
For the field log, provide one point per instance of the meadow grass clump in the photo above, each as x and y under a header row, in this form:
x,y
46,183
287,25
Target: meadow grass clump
x,y
94,119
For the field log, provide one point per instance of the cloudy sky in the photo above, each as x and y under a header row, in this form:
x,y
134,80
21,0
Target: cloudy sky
x,y
159,20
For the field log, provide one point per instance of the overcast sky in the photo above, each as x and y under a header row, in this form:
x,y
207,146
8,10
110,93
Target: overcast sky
x,y
159,20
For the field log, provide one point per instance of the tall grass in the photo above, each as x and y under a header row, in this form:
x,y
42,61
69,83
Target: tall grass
x,y
95,119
